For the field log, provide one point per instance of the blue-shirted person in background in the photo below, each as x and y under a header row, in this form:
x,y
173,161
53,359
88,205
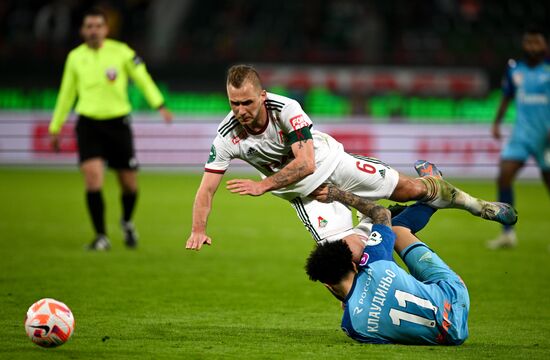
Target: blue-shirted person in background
x,y
383,304
528,83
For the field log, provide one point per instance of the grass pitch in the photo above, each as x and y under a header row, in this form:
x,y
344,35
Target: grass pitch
x,y
247,295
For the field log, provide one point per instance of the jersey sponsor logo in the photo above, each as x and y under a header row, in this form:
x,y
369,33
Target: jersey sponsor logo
x,y
532,99
212,155
321,222
375,238
364,259
382,173
111,74
357,310
298,122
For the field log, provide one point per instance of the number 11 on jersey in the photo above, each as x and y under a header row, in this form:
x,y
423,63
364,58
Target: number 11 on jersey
x,y
398,315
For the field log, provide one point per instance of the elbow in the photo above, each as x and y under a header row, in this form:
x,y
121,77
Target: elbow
x,y
381,215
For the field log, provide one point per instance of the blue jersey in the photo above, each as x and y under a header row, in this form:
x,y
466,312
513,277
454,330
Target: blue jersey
x,y
530,86
388,305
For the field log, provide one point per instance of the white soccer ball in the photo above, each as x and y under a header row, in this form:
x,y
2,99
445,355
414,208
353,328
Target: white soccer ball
x,y
49,323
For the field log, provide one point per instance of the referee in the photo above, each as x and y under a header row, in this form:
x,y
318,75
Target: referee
x,y
96,72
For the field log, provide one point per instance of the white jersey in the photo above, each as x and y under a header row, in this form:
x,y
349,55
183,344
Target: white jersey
x,y
268,150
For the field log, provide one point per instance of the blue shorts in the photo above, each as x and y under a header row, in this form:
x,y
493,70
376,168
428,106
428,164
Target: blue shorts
x,y
519,150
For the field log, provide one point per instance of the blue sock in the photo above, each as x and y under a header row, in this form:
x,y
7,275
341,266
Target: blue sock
x,y
506,195
414,217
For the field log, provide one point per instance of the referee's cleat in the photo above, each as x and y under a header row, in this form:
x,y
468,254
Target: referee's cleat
x,y
100,243
425,168
130,234
500,212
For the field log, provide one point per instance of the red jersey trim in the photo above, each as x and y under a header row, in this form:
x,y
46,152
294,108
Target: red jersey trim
x,y
214,171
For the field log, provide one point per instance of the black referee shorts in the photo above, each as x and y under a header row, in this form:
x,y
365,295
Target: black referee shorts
x,y
110,140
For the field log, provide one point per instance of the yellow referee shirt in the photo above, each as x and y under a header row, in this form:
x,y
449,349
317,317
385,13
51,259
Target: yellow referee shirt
x,y
99,78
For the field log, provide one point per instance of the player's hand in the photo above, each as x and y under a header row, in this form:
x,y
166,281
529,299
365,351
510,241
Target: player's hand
x,y
197,240
322,194
166,115
245,187
495,130
54,142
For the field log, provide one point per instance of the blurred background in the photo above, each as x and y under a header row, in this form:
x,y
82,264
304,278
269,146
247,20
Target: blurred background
x,y
393,79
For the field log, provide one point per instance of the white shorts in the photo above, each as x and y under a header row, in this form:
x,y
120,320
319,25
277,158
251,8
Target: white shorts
x,y
366,177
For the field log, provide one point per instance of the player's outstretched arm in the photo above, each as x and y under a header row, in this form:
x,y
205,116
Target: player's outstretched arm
x,y
328,193
201,210
495,130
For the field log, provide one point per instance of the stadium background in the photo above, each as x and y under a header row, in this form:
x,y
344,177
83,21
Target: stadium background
x,y
399,80
364,63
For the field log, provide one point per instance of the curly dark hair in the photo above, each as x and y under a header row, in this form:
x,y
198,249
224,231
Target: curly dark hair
x,y
330,262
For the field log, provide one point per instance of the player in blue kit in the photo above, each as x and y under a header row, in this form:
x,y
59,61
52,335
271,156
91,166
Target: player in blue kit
x,y
528,83
383,303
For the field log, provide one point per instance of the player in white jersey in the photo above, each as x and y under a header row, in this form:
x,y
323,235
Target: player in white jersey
x,y
273,134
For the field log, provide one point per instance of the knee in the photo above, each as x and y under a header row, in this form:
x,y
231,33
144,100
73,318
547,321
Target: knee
x,y
93,181
409,189
128,184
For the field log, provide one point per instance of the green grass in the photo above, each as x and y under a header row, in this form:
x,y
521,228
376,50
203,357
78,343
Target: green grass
x,y
246,296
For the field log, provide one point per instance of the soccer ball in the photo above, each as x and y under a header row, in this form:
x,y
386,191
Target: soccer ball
x,y
49,323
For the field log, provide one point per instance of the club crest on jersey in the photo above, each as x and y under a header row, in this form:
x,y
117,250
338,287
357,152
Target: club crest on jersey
x,y
374,239
298,122
212,155
322,222
111,74
364,259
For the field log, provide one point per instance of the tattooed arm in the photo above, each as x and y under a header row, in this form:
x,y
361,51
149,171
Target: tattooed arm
x,y
328,193
301,166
